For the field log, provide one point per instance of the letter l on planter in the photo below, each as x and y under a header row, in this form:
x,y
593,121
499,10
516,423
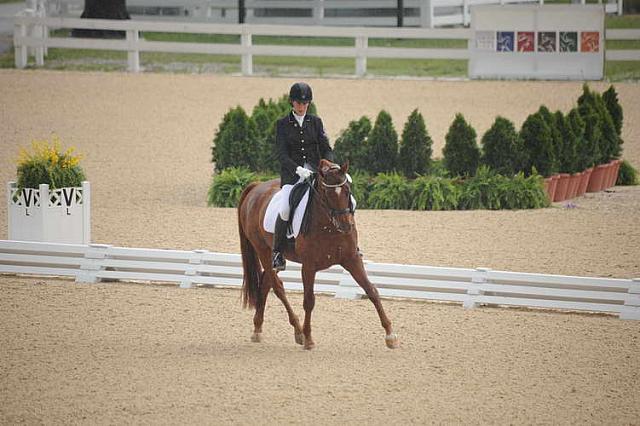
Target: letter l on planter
x,y
59,216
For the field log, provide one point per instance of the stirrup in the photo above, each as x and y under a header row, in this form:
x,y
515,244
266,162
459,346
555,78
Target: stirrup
x,y
278,262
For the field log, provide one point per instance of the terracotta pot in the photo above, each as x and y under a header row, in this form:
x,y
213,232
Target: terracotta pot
x,y
584,182
550,185
596,183
615,168
563,186
574,183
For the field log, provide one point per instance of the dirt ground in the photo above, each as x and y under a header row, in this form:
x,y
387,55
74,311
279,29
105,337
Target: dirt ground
x,y
154,354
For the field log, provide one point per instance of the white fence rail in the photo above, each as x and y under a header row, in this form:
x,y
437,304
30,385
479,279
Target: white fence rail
x,y
32,34
470,287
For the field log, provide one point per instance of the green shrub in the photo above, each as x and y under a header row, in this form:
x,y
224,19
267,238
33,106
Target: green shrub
x,y
556,137
360,188
389,191
351,145
434,193
610,98
227,186
566,152
522,192
461,152
627,174
265,115
235,142
382,145
502,148
589,152
482,191
47,164
605,141
538,145
415,147
437,168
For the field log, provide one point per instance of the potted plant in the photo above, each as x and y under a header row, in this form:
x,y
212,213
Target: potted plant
x,y
50,201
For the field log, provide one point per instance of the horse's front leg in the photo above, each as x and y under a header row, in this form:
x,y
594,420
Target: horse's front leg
x,y
308,279
357,271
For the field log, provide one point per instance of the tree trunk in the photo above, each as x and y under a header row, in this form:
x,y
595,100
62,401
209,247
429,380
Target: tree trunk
x,y
102,9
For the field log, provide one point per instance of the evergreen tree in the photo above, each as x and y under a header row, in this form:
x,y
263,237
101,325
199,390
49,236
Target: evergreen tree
x,y
590,151
610,98
566,155
351,145
382,145
461,153
538,144
415,147
235,141
502,148
556,137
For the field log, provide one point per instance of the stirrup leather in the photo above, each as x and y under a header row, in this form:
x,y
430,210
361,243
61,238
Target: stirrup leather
x,y
278,263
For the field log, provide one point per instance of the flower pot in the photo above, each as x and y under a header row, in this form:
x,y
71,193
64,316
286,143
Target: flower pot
x,y
596,183
550,185
563,186
584,181
613,173
574,182
60,216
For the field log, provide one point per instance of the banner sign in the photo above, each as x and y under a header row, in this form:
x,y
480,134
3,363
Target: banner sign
x,y
554,42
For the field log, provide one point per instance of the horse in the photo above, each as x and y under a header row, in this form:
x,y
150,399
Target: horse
x,y
329,238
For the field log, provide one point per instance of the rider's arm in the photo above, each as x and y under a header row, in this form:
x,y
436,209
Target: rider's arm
x,y
283,148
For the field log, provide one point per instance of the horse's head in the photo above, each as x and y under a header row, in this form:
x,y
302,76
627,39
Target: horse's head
x,y
335,188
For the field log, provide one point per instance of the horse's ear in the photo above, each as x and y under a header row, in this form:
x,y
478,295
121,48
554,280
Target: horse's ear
x,y
345,167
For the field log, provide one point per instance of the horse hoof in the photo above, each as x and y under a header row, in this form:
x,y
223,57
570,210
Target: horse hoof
x,y
309,345
299,338
392,341
256,337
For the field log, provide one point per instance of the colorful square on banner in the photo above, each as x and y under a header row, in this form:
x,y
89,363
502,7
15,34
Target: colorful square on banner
x,y
568,41
505,41
547,41
590,41
485,40
526,41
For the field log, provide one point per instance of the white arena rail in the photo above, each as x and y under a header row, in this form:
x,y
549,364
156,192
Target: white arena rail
x,y
470,287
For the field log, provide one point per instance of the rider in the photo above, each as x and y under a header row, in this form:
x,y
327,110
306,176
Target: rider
x,y
301,143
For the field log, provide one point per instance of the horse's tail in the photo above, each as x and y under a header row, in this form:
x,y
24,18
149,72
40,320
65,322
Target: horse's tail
x,y
250,262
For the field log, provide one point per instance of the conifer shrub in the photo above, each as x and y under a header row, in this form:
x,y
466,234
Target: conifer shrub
x,y
264,115
235,142
415,147
556,138
47,163
576,124
589,152
610,97
389,191
461,152
566,153
538,145
360,187
607,143
502,147
437,168
627,174
382,145
434,193
351,145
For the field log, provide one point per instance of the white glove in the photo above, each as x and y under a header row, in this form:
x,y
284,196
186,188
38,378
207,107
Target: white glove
x,y
303,173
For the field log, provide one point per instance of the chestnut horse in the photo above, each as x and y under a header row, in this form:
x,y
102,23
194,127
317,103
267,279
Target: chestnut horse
x,y
330,238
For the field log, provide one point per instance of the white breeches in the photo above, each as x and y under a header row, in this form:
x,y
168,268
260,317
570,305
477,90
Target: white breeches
x,y
283,199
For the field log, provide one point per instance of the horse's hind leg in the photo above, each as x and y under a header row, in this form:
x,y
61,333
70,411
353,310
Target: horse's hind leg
x,y
278,289
261,303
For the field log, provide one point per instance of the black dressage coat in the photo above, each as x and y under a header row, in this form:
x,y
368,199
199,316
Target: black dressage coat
x,y
298,145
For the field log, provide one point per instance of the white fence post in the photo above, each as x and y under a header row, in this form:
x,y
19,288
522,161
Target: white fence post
x,y
191,271
466,18
362,42
44,210
620,5
479,277
318,12
426,14
92,263
631,308
133,53
21,52
247,57
86,212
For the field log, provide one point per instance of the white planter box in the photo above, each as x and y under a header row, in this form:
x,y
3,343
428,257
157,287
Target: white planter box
x,y
61,216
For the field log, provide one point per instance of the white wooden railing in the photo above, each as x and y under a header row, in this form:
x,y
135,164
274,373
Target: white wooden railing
x,y
32,35
470,287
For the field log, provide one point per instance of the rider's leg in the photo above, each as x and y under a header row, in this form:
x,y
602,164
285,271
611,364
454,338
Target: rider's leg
x,y
280,232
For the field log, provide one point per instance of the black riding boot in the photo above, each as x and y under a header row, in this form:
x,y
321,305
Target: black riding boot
x,y
279,239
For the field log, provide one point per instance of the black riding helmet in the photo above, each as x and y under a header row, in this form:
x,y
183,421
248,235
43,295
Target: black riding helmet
x,y
300,92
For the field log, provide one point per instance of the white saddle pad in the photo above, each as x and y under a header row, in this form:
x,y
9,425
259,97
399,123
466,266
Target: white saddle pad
x,y
273,209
